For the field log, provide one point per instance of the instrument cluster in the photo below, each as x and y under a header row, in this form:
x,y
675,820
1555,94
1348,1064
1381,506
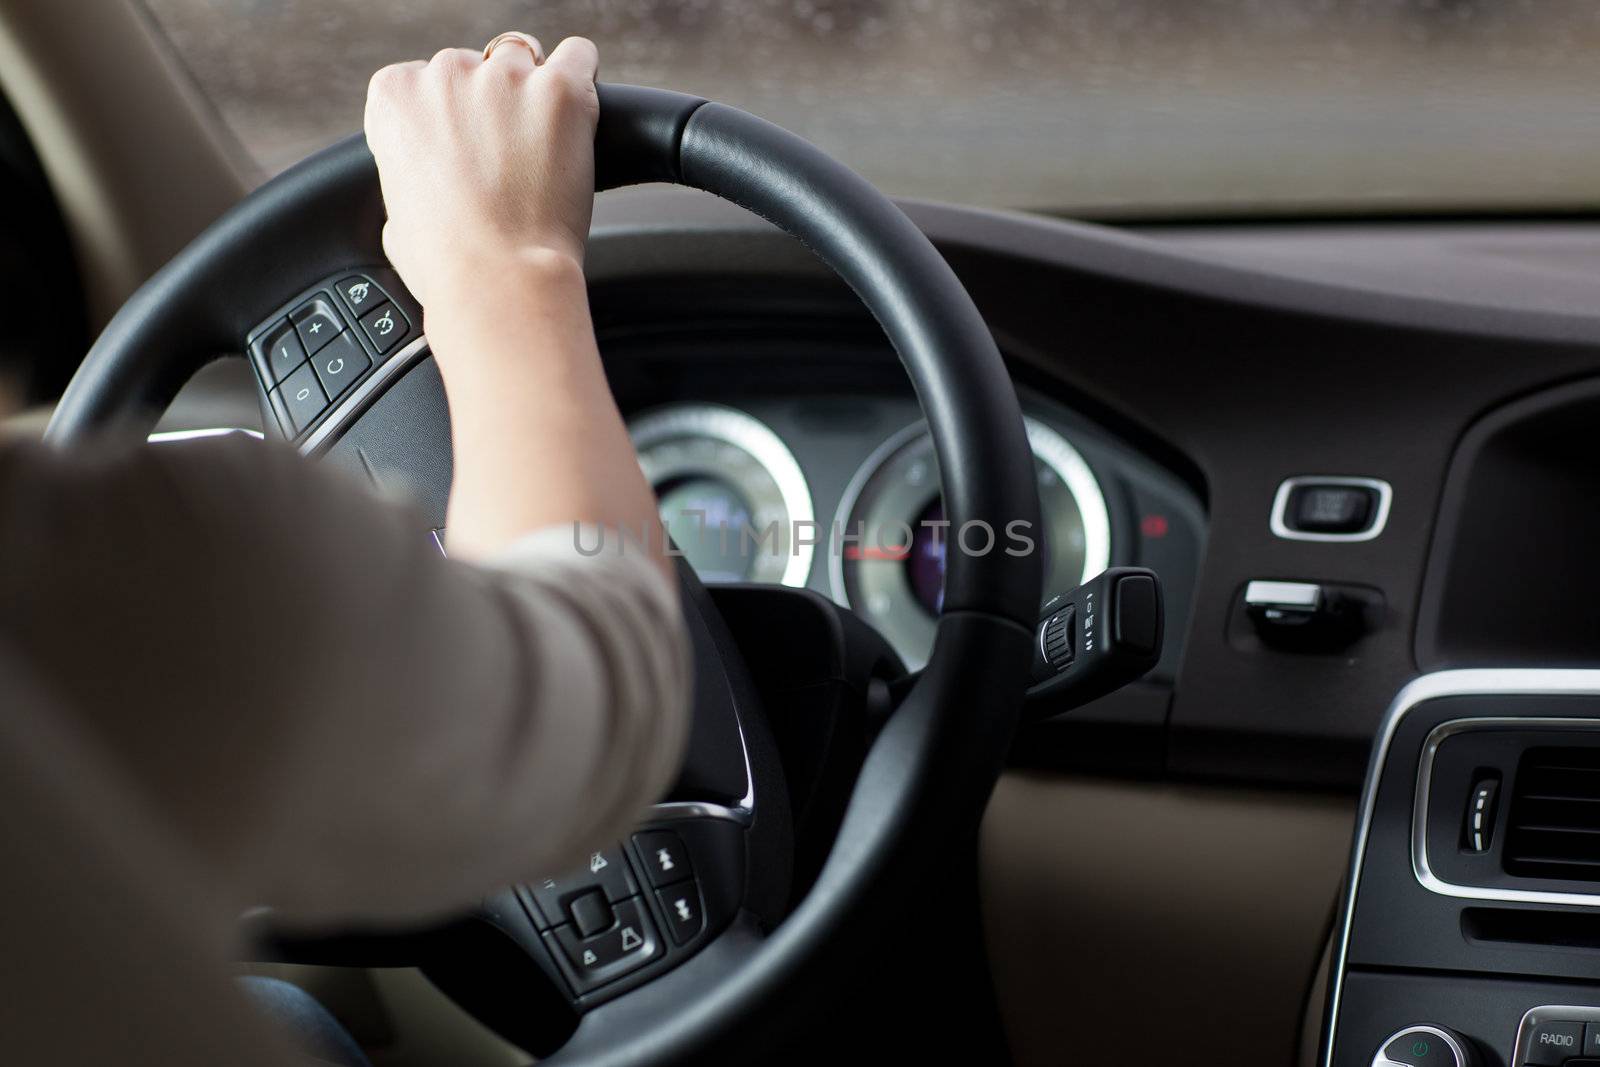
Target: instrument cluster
x,y
841,495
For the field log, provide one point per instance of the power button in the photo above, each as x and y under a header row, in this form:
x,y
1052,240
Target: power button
x,y
1425,1046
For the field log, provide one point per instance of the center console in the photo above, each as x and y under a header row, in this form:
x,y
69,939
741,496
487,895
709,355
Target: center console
x,y
1470,934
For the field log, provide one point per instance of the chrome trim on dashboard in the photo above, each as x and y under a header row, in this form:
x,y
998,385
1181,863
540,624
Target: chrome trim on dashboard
x,y
1051,446
1266,593
1280,505
852,493
1492,681
731,426
1419,817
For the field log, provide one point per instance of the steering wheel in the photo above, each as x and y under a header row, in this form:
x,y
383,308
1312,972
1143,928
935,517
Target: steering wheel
x,y
931,767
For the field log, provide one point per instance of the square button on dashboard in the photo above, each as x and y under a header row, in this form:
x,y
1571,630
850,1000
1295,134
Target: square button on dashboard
x,y
1553,1042
1342,509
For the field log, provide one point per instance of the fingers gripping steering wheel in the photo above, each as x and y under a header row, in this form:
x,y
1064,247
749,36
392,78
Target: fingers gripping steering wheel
x,y
932,766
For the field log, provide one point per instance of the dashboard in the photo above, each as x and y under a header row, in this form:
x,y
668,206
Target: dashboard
x,y
1180,378
1180,387
1213,367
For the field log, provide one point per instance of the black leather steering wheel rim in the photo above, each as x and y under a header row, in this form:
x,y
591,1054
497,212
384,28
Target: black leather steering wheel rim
x,y
933,765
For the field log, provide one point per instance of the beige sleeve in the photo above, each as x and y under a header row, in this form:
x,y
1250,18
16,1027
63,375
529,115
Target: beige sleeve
x,y
339,721
115,938
612,654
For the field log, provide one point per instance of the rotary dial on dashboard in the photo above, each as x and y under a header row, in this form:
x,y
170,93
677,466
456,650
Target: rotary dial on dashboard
x,y
1426,1045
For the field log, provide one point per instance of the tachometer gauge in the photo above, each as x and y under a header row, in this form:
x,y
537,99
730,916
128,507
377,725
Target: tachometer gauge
x,y
893,576
731,494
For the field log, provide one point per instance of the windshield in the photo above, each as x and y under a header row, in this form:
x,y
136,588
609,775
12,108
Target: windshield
x,y
1131,108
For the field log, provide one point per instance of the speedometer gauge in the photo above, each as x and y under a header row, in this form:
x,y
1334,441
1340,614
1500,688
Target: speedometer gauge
x,y
893,575
730,493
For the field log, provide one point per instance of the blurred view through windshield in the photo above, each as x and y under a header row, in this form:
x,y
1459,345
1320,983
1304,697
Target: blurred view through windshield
x,y
1103,107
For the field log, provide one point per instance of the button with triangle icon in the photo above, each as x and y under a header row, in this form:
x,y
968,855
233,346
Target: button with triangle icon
x,y
602,868
627,943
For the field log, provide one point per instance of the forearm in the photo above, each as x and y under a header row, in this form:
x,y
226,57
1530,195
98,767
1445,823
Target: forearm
x,y
538,439
529,708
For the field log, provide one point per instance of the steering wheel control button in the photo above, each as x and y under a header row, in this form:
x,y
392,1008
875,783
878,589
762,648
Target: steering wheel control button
x,y
1551,1042
591,913
384,327
278,353
361,293
666,861
629,944
681,905
605,870
299,400
339,364
317,324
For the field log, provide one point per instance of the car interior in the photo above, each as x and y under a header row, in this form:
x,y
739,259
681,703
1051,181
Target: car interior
x,y
1282,750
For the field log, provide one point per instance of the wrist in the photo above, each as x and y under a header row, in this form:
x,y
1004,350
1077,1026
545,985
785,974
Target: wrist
x,y
508,331
500,286
501,323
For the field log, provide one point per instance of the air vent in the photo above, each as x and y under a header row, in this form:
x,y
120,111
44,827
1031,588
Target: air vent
x,y
1553,828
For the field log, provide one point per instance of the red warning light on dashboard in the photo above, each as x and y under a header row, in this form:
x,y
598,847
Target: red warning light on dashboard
x,y
891,552
1153,526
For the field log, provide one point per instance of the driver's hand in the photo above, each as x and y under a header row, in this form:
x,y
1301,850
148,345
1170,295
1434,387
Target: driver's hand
x,y
488,173
484,161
